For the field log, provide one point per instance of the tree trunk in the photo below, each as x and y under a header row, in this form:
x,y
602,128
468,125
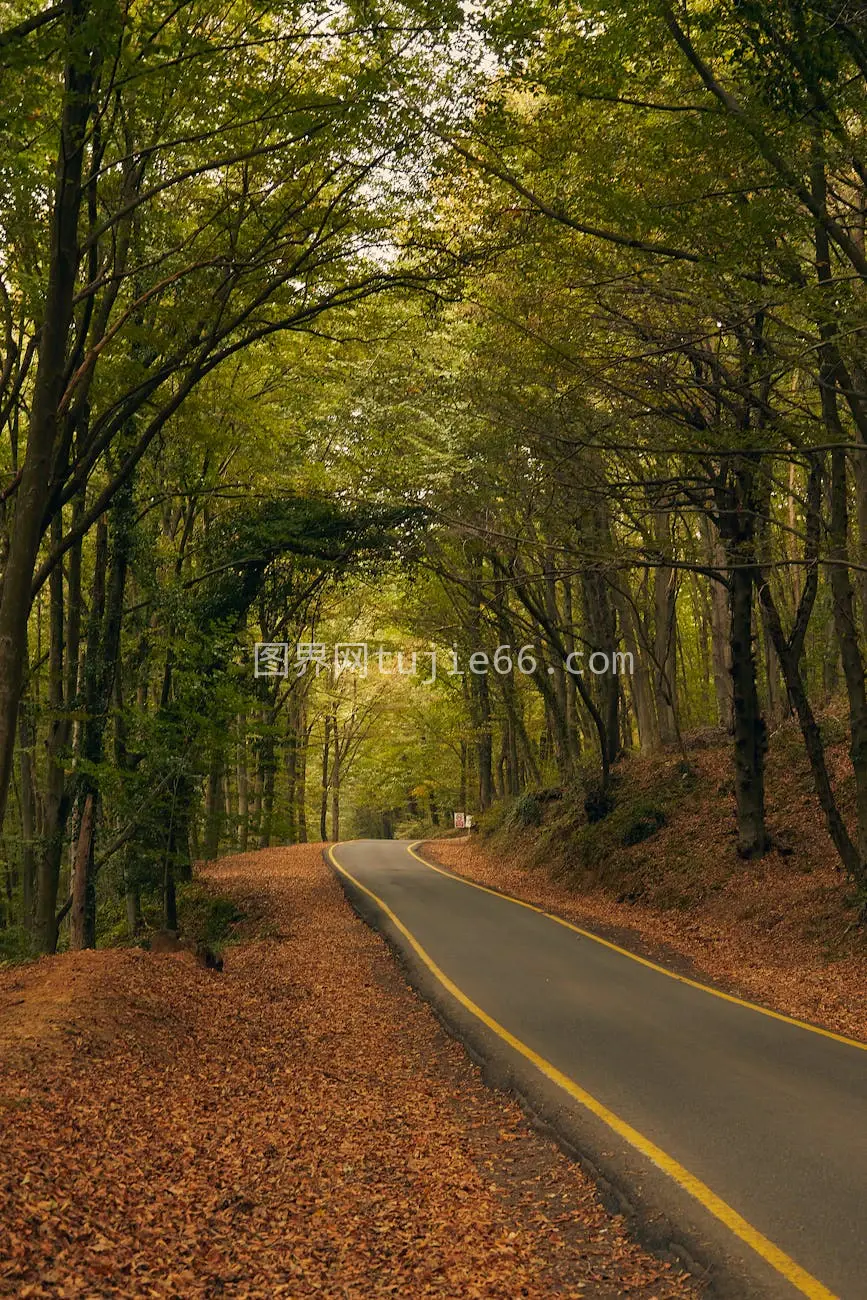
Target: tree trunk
x,y
79,917
750,734
292,779
850,653
790,655
720,645
170,896
36,474
721,656
103,652
335,784
776,710
243,788
640,681
484,742
601,622
26,739
132,906
301,786
213,811
269,772
664,632
842,591
57,802
323,806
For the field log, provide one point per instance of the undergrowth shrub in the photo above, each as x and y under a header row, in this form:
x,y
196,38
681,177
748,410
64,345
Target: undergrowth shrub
x,y
598,802
15,946
416,828
526,811
644,819
204,916
493,819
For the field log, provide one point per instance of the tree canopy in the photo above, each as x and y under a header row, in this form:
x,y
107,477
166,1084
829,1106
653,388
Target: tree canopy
x,y
521,344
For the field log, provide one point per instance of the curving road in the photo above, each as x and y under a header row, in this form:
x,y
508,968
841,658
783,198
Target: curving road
x,y
738,1138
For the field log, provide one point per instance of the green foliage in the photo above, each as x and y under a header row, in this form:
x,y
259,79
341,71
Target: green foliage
x,y
16,945
205,916
360,386
416,829
645,819
496,818
598,801
525,811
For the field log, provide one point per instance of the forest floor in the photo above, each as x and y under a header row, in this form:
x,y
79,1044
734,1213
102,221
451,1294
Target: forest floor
x,y
781,930
299,1125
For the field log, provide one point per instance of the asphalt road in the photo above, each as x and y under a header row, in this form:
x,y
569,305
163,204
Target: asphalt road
x,y
737,1138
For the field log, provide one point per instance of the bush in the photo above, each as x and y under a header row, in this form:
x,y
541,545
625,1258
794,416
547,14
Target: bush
x,y
645,819
834,731
15,946
598,803
495,818
205,916
416,828
526,811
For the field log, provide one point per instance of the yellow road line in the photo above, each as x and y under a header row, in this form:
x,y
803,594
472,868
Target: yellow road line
x,y
642,961
803,1281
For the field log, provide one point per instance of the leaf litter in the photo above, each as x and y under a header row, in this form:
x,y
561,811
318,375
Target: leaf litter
x,y
300,1125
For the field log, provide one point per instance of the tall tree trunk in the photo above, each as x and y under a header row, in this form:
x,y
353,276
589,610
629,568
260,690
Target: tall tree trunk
x,y
213,812
601,623
129,871
664,631
738,508
720,643
558,684
103,652
479,689
229,809
335,784
79,917
170,896
268,761
243,787
26,740
750,733
292,777
301,786
35,486
323,806
850,652
773,668
831,371
484,741
640,681
132,906
790,655
63,653
57,802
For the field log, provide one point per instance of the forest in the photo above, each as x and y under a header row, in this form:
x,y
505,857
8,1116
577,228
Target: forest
x,y
367,367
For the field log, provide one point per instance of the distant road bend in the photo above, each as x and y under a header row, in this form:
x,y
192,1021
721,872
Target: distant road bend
x,y
739,1135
